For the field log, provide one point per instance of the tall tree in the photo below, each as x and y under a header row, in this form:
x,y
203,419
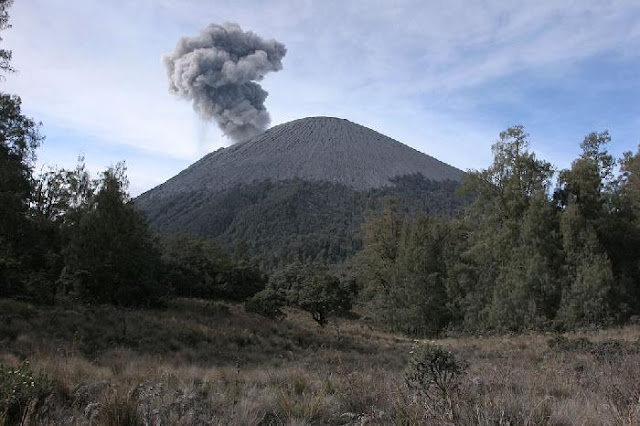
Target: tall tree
x,y
112,256
24,241
629,182
511,244
403,270
584,194
620,234
19,137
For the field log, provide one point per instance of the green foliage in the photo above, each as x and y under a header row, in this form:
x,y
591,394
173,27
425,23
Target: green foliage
x,y
111,256
586,184
586,194
20,236
322,295
434,376
629,183
586,300
18,387
199,268
268,303
308,287
403,272
61,196
513,245
295,221
28,245
433,368
63,233
516,258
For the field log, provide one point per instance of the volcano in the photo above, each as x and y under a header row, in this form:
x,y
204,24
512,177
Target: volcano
x,y
296,181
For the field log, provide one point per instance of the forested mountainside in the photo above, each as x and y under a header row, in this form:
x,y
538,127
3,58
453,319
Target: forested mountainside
x,y
296,220
300,191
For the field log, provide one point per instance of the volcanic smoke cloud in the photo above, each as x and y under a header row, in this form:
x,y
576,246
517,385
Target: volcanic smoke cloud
x,y
218,70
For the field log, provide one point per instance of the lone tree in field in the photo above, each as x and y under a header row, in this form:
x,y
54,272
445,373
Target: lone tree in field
x,y
310,288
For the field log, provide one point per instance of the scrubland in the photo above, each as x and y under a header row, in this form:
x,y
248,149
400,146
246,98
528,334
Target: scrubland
x,y
212,363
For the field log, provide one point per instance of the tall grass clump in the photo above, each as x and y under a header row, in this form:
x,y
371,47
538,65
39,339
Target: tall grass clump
x,y
120,410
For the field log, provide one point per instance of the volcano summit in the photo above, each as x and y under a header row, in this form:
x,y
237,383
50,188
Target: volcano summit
x,y
319,149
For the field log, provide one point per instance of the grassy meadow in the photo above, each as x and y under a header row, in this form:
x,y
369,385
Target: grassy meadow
x,y
212,363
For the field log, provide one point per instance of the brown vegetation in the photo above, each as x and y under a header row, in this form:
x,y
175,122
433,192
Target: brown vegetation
x,y
212,363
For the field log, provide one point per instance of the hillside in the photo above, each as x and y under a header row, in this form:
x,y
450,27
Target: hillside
x,y
300,190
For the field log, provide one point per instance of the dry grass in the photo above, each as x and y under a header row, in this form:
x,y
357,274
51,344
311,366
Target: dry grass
x,y
212,363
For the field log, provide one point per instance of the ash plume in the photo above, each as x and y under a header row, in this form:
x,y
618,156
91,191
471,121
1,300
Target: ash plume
x,y
218,70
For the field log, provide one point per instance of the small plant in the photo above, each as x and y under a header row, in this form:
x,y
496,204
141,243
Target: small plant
x,y
433,375
18,387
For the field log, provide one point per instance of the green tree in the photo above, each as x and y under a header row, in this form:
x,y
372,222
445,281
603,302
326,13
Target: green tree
x,y
509,275
587,182
19,138
584,194
199,268
403,270
26,258
629,183
61,196
619,235
312,288
381,237
112,256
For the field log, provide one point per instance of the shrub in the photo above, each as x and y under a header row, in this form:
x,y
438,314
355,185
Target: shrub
x,y
433,375
267,303
18,387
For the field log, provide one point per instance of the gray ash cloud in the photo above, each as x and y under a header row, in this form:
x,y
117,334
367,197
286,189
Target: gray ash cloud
x,y
218,71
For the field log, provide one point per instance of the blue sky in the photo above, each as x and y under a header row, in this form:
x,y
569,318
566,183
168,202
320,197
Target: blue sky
x,y
444,77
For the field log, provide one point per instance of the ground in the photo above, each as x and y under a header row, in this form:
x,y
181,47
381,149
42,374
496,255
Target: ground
x,y
201,362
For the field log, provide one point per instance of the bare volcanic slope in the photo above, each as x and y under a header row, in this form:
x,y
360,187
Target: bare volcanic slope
x,y
321,149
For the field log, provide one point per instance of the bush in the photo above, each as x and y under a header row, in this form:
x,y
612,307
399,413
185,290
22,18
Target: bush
x,y
433,375
267,303
18,387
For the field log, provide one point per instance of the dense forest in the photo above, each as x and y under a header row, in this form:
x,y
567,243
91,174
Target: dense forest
x,y
537,249
523,246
